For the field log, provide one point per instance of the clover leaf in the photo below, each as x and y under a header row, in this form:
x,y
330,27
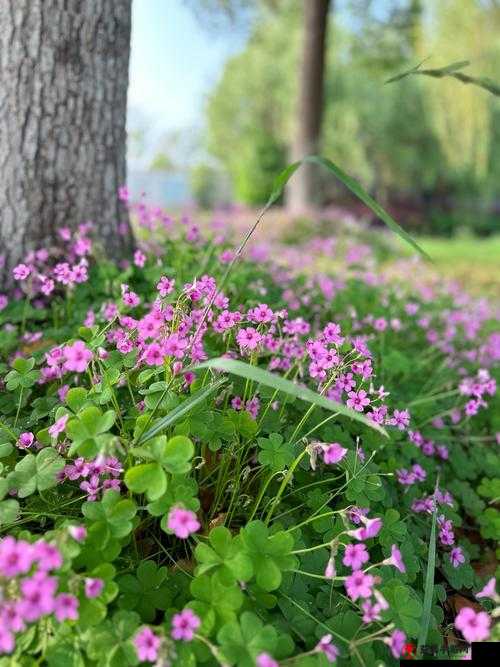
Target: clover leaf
x,y
38,472
148,478
89,431
270,554
224,557
110,643
113,514
213,601
242,642
146,591
405,608
275,454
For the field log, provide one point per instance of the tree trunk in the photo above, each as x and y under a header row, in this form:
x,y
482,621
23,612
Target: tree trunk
x,y
302,191
63,99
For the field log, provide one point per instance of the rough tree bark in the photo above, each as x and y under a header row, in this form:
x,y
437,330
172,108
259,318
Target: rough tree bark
x,y
301,192
63,97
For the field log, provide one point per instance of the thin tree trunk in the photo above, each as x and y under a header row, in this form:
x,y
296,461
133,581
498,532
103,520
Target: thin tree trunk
x,y
302,191
63,98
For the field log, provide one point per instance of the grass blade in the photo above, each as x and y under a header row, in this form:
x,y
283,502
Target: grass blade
x,y
180,410
429,579
279,383
354,187
452,70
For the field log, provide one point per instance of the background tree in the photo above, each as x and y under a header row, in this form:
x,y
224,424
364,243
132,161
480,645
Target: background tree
x,y
306,135
63,99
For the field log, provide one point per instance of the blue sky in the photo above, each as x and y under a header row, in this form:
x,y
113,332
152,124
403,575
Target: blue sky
x,y
174,62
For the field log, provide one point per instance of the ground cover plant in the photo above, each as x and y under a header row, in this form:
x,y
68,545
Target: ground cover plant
x,y
267,467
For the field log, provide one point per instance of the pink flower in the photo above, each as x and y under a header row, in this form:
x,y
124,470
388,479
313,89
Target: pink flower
x,y
182,522
475,627
16,557
395,559
146,645
154,355
10,617
325,646
3,301
21,272
77,357
93,587
165,286
489,590
58,426
370,529
371,611
248,338
25,440
333,453
47,556
37,596
355,556
358,400
330,569
7,642
78,533
359,585
265,660
131,299
184,625
66,606
456,557
396,643
139,258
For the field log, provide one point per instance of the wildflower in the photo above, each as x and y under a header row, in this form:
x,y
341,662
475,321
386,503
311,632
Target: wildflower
x,y
25,440
93,587
358,400
182,522
58,426
265,660
248,338
330,570
66,606
355,556
237,403
146,645
131,299
47,556
371,612
401,419
77,357
370,529
78,533
154,355
139,258
165,286
359,585
333,453
456,557
396,642
16,557
395,559
475,627
489,590
184,625
7,642
37,596
325,646
21,272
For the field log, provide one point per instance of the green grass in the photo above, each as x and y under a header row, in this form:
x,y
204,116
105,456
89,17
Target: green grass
x,y
474,262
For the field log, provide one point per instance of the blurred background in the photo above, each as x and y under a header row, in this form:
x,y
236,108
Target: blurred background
x,y
216,106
